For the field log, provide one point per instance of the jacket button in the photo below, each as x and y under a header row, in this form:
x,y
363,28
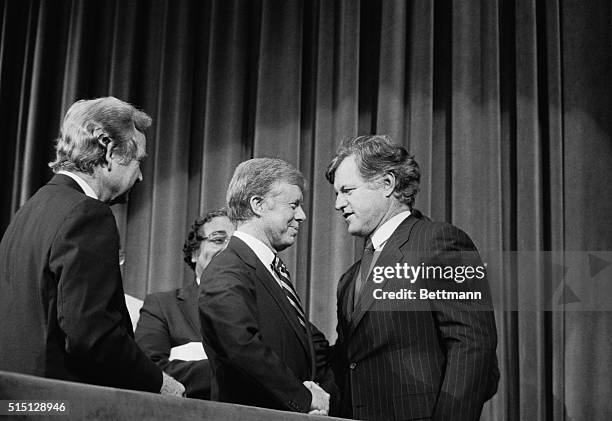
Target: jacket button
x,y
352,366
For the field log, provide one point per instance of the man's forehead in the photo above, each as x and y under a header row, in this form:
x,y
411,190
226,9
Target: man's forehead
x,y
218,223
284,187
347,173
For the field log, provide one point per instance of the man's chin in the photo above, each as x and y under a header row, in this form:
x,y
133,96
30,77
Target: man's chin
x,y
286,244
354,230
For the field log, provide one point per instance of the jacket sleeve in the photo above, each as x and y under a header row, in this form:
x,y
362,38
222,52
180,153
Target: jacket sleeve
x,y
154,337
91,306
466,328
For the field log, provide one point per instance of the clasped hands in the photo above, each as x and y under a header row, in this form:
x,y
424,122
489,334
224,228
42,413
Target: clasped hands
x,y
320,399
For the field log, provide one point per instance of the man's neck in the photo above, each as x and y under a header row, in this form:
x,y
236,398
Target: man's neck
x,y
252,228
394,209
95,182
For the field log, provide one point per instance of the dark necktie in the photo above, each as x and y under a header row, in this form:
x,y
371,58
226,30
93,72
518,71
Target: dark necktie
x,y
364,268
283,275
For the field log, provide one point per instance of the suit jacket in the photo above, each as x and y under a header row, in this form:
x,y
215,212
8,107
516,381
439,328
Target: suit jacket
x,y
417,358
170,319
259,353
62,306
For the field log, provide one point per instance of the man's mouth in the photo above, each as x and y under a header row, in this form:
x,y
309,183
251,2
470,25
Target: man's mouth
x,y
346,215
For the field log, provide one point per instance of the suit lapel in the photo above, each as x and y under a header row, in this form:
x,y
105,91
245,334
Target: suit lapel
x,y
187,301
390,255
346,290
264,276
274,289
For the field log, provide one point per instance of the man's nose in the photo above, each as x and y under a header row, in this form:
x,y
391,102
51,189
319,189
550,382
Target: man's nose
x,y
340,202
300,215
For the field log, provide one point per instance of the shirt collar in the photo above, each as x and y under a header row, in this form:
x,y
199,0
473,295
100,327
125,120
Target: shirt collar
x,y
382,234
262,251
82,184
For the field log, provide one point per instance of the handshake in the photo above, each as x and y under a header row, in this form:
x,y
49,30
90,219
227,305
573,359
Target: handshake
x,y
320,399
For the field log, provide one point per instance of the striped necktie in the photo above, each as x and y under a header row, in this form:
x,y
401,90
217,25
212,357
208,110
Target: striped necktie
x,y
283,275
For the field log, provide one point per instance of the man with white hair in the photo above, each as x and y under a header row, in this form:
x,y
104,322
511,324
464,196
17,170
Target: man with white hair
x,y
62,305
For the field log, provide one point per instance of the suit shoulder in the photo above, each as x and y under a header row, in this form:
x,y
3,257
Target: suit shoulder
x,y
162,297
224,267
227,261
57,200
452,237
439,227
159,302
62,199
430,235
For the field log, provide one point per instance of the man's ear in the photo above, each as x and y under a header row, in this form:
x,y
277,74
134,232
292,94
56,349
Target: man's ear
x,y
110,150
106,143
109,145
388,182
257,205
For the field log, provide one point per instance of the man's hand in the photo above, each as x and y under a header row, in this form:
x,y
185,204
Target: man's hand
x,y
171,387
320,399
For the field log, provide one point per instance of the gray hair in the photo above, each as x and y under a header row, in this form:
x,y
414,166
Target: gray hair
x,y
377,155
257,177
89,125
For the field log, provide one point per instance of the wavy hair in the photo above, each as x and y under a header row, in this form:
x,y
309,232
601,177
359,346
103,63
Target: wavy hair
x,y
87,128
377,155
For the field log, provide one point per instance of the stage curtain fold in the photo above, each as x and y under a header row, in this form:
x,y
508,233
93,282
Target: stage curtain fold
x,y
507,106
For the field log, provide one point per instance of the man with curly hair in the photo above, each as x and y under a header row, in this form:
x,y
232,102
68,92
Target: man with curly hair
x,y
168,329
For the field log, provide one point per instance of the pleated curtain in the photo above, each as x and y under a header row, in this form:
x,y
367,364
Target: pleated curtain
x,y
507,106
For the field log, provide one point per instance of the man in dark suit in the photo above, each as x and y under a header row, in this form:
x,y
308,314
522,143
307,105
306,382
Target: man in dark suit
x,y
262,349
401,355
62,306
168,329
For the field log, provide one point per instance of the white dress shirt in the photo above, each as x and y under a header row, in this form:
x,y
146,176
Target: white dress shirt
x,y
384,232
82,184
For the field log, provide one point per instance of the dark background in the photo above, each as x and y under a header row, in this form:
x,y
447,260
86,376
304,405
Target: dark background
x,y
506,104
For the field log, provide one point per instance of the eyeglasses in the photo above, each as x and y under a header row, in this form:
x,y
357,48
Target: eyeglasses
x,y
215,238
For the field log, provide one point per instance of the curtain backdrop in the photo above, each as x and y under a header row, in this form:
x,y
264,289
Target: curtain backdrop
x,y
506,104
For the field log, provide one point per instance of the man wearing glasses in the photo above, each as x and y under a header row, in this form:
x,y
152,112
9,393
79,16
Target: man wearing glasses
x,y
169,326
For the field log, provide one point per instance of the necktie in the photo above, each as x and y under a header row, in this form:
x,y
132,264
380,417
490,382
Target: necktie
x,y
364,268
283,275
